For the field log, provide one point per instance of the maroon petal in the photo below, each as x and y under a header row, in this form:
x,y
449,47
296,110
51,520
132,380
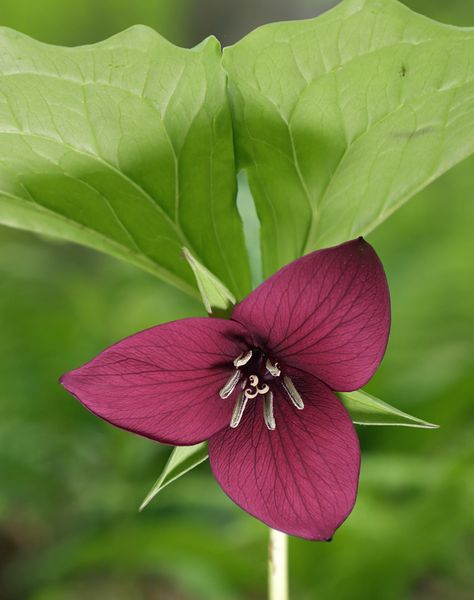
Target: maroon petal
x,y
164,382
327,313
300,478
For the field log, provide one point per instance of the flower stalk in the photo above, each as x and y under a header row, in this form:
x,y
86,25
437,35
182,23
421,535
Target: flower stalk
x,y
277,565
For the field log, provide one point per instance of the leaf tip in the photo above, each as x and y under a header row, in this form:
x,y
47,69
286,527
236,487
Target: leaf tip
x,y
148,498
431,425
209,43
143,505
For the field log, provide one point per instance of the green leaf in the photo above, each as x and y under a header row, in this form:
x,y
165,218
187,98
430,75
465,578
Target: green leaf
x,y
365,409
214,294
182,459
125,146
341,119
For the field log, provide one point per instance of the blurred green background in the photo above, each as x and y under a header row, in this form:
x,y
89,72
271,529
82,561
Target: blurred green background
x,y
71,485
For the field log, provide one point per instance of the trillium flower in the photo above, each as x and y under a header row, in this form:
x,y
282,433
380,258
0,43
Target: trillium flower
x,y
260,387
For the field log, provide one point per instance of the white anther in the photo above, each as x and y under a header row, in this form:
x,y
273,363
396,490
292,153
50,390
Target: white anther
x,y
253,380
293,393
243,359
268,412
238,410
229,387
272,368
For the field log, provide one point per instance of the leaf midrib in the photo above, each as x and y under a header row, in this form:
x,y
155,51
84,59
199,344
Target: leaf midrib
x,y
86,83
315,210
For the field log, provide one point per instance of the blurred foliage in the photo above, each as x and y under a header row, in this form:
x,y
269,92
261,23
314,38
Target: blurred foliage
x,y
71,485
454,12
88,21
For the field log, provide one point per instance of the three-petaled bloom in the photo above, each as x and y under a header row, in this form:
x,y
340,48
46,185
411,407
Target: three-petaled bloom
x,y
259,386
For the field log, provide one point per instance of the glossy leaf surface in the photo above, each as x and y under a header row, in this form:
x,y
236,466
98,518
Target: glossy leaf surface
x,y
341,119
125,146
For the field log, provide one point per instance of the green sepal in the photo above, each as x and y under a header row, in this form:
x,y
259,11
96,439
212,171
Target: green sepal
x,y
217,299
366,409
181,460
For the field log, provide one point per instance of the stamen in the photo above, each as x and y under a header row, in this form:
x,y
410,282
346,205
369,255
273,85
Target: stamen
x,y
272,369
238,410
253,380
229,387
293,393
268,411
243,359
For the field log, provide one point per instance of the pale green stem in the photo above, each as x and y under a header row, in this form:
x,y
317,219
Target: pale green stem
x,y
277,566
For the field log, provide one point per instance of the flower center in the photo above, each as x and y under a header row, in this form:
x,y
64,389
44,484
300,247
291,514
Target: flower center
x,y
256,373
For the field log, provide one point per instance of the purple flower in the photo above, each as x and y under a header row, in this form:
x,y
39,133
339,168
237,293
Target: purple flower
x,y
260,386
